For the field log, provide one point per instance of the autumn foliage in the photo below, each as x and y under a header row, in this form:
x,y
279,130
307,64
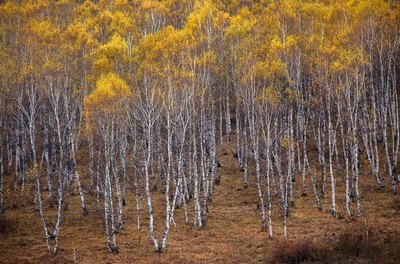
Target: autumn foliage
x,y
152,94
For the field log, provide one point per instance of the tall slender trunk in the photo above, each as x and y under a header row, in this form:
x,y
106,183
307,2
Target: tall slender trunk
x,y
147,187
221,137
346,159
197,208
76,174
331,149
238,143
269,198
228,118
122,156
114,168
244,153
91,164
255,150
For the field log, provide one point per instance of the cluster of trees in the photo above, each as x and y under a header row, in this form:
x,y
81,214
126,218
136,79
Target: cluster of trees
x,y
153,86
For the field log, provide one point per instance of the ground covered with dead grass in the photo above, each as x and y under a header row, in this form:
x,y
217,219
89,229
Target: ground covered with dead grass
x,y
232,233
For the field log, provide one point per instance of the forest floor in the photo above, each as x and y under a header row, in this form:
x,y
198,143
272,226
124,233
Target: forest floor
x,y
232,233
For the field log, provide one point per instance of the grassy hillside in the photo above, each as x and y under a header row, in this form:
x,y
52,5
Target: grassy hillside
x,y
232,233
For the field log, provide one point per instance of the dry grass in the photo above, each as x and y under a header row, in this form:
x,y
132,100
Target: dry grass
x,y
232,234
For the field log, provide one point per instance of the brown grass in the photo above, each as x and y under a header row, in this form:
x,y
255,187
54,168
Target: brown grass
x,y
232,234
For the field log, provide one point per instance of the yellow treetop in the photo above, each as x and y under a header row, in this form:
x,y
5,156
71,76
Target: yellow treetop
x,y
108,100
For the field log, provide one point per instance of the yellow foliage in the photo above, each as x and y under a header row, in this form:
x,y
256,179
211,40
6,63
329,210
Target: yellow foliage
x,y
78,36
270,69
291,41
108,99
44,32
370,9
115,47
32,8
207,59
7,65
290,94
9,9
122,24
102,64
275,46
27,72
206,19
150,5
161,54
51,65
241,24
112,52
348,59
271,96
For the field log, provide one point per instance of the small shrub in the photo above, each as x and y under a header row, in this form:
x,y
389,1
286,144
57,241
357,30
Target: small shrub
x,y
396,205
375,247
6,226
295,252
